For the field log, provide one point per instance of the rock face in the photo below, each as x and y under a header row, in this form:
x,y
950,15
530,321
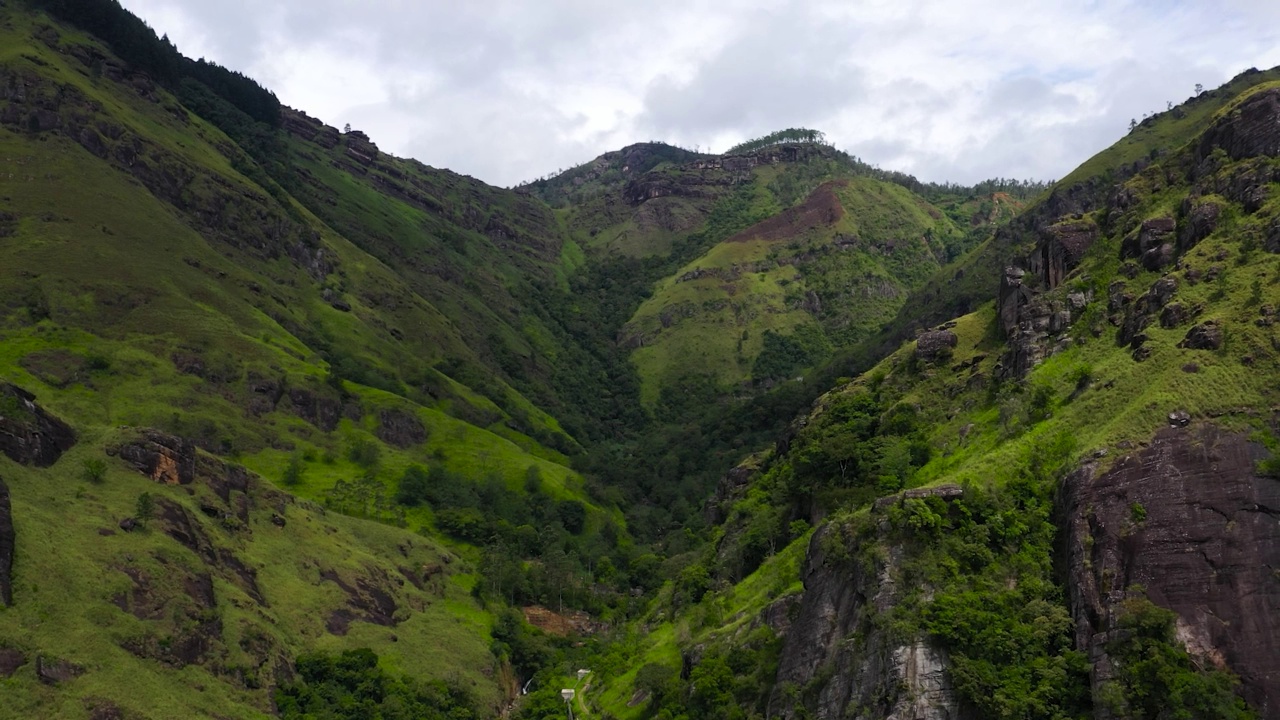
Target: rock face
x,y
28,434
1205,336
1249,130
7,545
1190,521
172,460
401,428
935,344
833,644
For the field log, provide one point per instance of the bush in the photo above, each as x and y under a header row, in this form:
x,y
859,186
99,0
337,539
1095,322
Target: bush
x,y
95,470
294,472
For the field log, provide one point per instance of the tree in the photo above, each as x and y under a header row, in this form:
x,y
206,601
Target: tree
x,y
346,128
95,469
145,509
1199,89
1133,124
295,471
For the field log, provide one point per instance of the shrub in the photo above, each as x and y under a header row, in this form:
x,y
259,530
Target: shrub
x,y
95,470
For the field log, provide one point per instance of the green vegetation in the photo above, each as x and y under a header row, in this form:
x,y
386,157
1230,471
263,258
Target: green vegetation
x,y
1157,678
790,135
482,400
352,686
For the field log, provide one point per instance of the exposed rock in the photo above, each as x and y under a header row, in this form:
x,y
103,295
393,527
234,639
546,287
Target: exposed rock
x,y
1250,130
8,544
1162,291
1205,336
1205,546
368,600
321,410
264,393
731,488
1179,418
1152,235
1158,257
51,671
1173,315
935,344
10,660
28,434
835,651
100,709
129,524
164,458
1201,221
1061,248
401,428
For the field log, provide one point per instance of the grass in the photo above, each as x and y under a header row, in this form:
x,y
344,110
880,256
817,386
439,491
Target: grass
x,y
67,574
714,324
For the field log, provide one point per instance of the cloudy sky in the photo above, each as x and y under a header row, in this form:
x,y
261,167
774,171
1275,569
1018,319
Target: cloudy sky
x,y
509,90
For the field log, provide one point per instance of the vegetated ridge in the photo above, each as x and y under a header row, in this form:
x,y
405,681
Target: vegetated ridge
x,y
283,416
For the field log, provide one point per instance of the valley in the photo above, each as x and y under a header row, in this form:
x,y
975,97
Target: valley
x,y
292,427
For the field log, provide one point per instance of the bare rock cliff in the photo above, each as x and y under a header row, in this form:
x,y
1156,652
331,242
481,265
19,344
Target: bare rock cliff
x,y
1189,521
837,663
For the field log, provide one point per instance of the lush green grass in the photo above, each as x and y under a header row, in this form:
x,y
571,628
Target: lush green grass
x,y
67,574
711,316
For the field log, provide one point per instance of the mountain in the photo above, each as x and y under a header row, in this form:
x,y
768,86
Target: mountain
x,y
1058,505
293,427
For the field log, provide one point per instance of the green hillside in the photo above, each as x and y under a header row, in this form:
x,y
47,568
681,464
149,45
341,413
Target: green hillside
x,y
291,427
775,298
984,452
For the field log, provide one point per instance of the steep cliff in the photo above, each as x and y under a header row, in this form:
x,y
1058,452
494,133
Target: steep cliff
x,y
1188,523
841,658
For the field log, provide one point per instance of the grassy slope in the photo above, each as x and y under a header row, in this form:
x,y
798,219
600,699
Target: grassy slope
x,y
985,438
124,277
965,284
68,575
715,324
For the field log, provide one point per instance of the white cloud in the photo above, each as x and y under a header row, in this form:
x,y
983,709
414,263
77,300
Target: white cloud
x,y
946,89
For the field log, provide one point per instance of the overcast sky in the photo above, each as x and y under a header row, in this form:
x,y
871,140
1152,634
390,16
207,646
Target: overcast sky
x,y
509,90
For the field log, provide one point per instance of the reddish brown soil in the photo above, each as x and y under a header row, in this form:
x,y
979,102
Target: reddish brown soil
x,y
821,209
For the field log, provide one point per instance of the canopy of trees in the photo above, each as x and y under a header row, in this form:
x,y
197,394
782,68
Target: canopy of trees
x,y
136,44
790,135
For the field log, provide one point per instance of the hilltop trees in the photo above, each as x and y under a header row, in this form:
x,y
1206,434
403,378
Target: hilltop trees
x,y
790,135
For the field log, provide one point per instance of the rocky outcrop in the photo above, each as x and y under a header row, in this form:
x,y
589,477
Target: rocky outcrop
x,y
1250,130
8,544
401,428
837,663
935,344
52,671
731,488
10,660
1205,336
1188,522
28,434
171,460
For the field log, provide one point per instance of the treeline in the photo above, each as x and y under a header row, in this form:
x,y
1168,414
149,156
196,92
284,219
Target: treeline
x,y
351,685
790,135
136,43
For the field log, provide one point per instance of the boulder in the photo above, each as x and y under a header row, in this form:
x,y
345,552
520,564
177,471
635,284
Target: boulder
x,y
1205,336
8,540
1173,315
51,671
935,344
28,434
10,661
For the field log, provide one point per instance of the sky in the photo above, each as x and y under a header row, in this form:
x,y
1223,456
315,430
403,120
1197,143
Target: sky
x,y
947,90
